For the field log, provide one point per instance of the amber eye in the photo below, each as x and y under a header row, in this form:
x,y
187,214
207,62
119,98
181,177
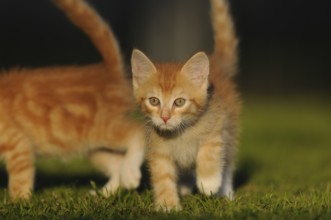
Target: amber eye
x,y
179,102
154,101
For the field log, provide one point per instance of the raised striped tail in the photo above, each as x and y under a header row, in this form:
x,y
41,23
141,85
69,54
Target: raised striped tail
x,y
225,40
87,19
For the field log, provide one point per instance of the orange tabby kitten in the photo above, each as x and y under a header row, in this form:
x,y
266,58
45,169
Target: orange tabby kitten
x,y
192,112
59,111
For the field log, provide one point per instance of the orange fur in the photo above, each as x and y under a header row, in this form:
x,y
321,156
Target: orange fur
x,y
225,40
58,111
198,136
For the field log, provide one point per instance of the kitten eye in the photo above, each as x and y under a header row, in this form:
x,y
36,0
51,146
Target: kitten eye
x,y
179,102
154,101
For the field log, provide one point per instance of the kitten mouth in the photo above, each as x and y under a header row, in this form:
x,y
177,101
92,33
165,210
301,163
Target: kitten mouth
x,y
178,129
166,127
167,131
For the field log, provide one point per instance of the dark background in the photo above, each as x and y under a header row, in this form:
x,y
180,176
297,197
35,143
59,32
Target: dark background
x,y
285,44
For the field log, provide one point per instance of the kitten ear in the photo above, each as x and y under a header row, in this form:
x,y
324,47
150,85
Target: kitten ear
x,y
141,67
197,69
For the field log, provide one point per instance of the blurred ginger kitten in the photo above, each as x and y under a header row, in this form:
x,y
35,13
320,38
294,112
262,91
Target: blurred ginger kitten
x,y
59,111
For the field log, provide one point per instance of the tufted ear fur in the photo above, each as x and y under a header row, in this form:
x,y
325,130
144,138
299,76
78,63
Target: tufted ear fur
x,y
142,68
197,70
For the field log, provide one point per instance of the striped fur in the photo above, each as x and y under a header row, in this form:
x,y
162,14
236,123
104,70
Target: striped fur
x,y
60,111
225,40
196,137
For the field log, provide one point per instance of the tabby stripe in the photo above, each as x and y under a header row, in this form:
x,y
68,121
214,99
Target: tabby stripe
x,y
21,182
4,148
163,178
166,193
155,155
196,103
15,140
18,168
17,155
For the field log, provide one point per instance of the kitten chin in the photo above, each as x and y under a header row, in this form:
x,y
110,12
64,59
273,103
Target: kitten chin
x,y
165,128
171,131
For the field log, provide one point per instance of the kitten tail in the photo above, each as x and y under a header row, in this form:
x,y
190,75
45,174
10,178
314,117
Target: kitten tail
x,y
88,20
225,40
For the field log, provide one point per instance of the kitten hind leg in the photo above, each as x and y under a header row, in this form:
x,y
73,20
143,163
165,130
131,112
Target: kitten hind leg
x,y
109,163
20,167
134,157
123,165
227,184
228,135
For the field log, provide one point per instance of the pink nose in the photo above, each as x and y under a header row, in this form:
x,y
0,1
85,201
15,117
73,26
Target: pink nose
x,y
165,118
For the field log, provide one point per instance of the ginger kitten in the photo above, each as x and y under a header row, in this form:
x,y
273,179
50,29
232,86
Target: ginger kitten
x,y
192,110
60,111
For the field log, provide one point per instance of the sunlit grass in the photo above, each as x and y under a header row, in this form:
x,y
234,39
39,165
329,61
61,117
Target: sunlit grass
x,y
284,172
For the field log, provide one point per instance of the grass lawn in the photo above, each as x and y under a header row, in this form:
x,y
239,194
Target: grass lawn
x,y
284,172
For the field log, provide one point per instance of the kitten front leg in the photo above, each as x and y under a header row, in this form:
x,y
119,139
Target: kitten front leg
x,y
21,170
210,167
164,178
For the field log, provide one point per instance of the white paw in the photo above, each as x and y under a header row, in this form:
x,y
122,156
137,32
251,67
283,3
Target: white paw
x,y
109,189
168,207
227,191
93,192
130,176
209,185
185,190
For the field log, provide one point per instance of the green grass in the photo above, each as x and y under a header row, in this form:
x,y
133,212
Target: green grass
x,y
284,172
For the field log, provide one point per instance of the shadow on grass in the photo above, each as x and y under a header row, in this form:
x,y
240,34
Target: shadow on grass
x,y
246,168
43,180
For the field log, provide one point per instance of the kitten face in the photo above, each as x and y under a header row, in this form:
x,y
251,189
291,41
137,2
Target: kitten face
x,y
170,110
172,96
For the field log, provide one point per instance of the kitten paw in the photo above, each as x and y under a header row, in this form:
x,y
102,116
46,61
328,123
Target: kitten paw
x,y
93,192
168,207
227,192
185,190
130,177
107,190
209,185
111,187
20,196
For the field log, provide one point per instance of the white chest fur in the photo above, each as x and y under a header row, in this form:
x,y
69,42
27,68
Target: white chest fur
x,y
184,152
184,148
